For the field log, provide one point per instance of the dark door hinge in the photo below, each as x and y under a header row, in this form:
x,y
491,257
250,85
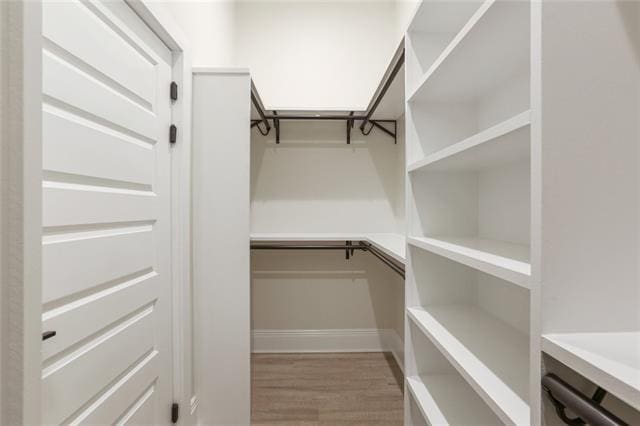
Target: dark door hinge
x,y
175,411
173,91
48,335
173,133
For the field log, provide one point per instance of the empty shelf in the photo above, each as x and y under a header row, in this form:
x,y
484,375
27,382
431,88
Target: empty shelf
x,y
503,143
446,399
491,356
491,47
611,360
301,236
504,260
393,245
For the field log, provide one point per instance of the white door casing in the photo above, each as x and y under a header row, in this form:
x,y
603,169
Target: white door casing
x,y
106,285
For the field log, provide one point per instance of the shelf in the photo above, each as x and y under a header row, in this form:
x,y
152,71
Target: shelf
x,y
393,245
611,360
441,396
491,47
503,260
489,354
302,236
503,143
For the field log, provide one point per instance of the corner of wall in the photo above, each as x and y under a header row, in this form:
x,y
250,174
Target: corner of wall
x,y
210,28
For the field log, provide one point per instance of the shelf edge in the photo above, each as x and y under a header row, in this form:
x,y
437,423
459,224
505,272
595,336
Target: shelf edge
x,y
517,277
511,124
505,415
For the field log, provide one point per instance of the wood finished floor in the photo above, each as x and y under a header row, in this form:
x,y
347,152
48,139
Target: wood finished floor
x,y
326,389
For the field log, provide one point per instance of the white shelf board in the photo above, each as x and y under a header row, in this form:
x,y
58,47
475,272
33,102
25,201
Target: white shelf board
x,y
490,355
503,143
446,399
492,46
504,260
393,245
610,360
304,236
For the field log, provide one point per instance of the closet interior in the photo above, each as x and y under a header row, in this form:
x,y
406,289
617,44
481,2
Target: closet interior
x,y
465,221
372,212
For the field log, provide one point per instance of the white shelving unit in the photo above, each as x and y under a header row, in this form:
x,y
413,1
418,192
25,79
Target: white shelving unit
x,y
522,207
590,245
470,283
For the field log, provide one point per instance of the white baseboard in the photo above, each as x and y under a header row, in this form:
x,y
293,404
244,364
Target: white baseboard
x,y
344,340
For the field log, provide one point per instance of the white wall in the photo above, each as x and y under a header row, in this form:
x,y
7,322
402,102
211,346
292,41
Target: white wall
x,y
302,54
314,182
209,25
316,54
321,290
20,228
404,10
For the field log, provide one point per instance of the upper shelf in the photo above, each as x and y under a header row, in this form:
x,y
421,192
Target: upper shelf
x,y
490,48
391,244
387,101
612,360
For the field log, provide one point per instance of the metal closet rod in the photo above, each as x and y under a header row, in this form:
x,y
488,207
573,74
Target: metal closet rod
x,y
383,257
348,246
589,411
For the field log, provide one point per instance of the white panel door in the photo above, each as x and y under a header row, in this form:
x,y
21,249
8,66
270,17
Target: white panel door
x,y
106,206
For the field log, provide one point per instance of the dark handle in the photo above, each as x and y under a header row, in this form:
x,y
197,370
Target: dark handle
x,y
48,335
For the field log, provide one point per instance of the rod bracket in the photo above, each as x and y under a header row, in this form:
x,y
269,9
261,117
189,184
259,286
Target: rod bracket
x,y
350,124
276,124
378,124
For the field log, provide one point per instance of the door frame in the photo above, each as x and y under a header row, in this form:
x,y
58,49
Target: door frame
x,y
21,210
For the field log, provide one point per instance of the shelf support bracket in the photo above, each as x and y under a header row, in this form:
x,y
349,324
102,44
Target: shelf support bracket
x,y
377,124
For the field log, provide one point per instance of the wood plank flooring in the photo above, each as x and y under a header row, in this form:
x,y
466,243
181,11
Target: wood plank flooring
x,y
326,389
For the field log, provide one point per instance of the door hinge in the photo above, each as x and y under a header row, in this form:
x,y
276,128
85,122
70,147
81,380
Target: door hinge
x,y
48,335
175,411
173,133
173,91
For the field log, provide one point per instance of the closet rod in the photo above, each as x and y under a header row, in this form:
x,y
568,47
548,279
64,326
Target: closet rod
x,y
260,246
349,246
383,257
588,410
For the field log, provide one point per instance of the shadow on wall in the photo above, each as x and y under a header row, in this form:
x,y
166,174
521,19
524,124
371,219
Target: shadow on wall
x,y
314,176
313,160
319,290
